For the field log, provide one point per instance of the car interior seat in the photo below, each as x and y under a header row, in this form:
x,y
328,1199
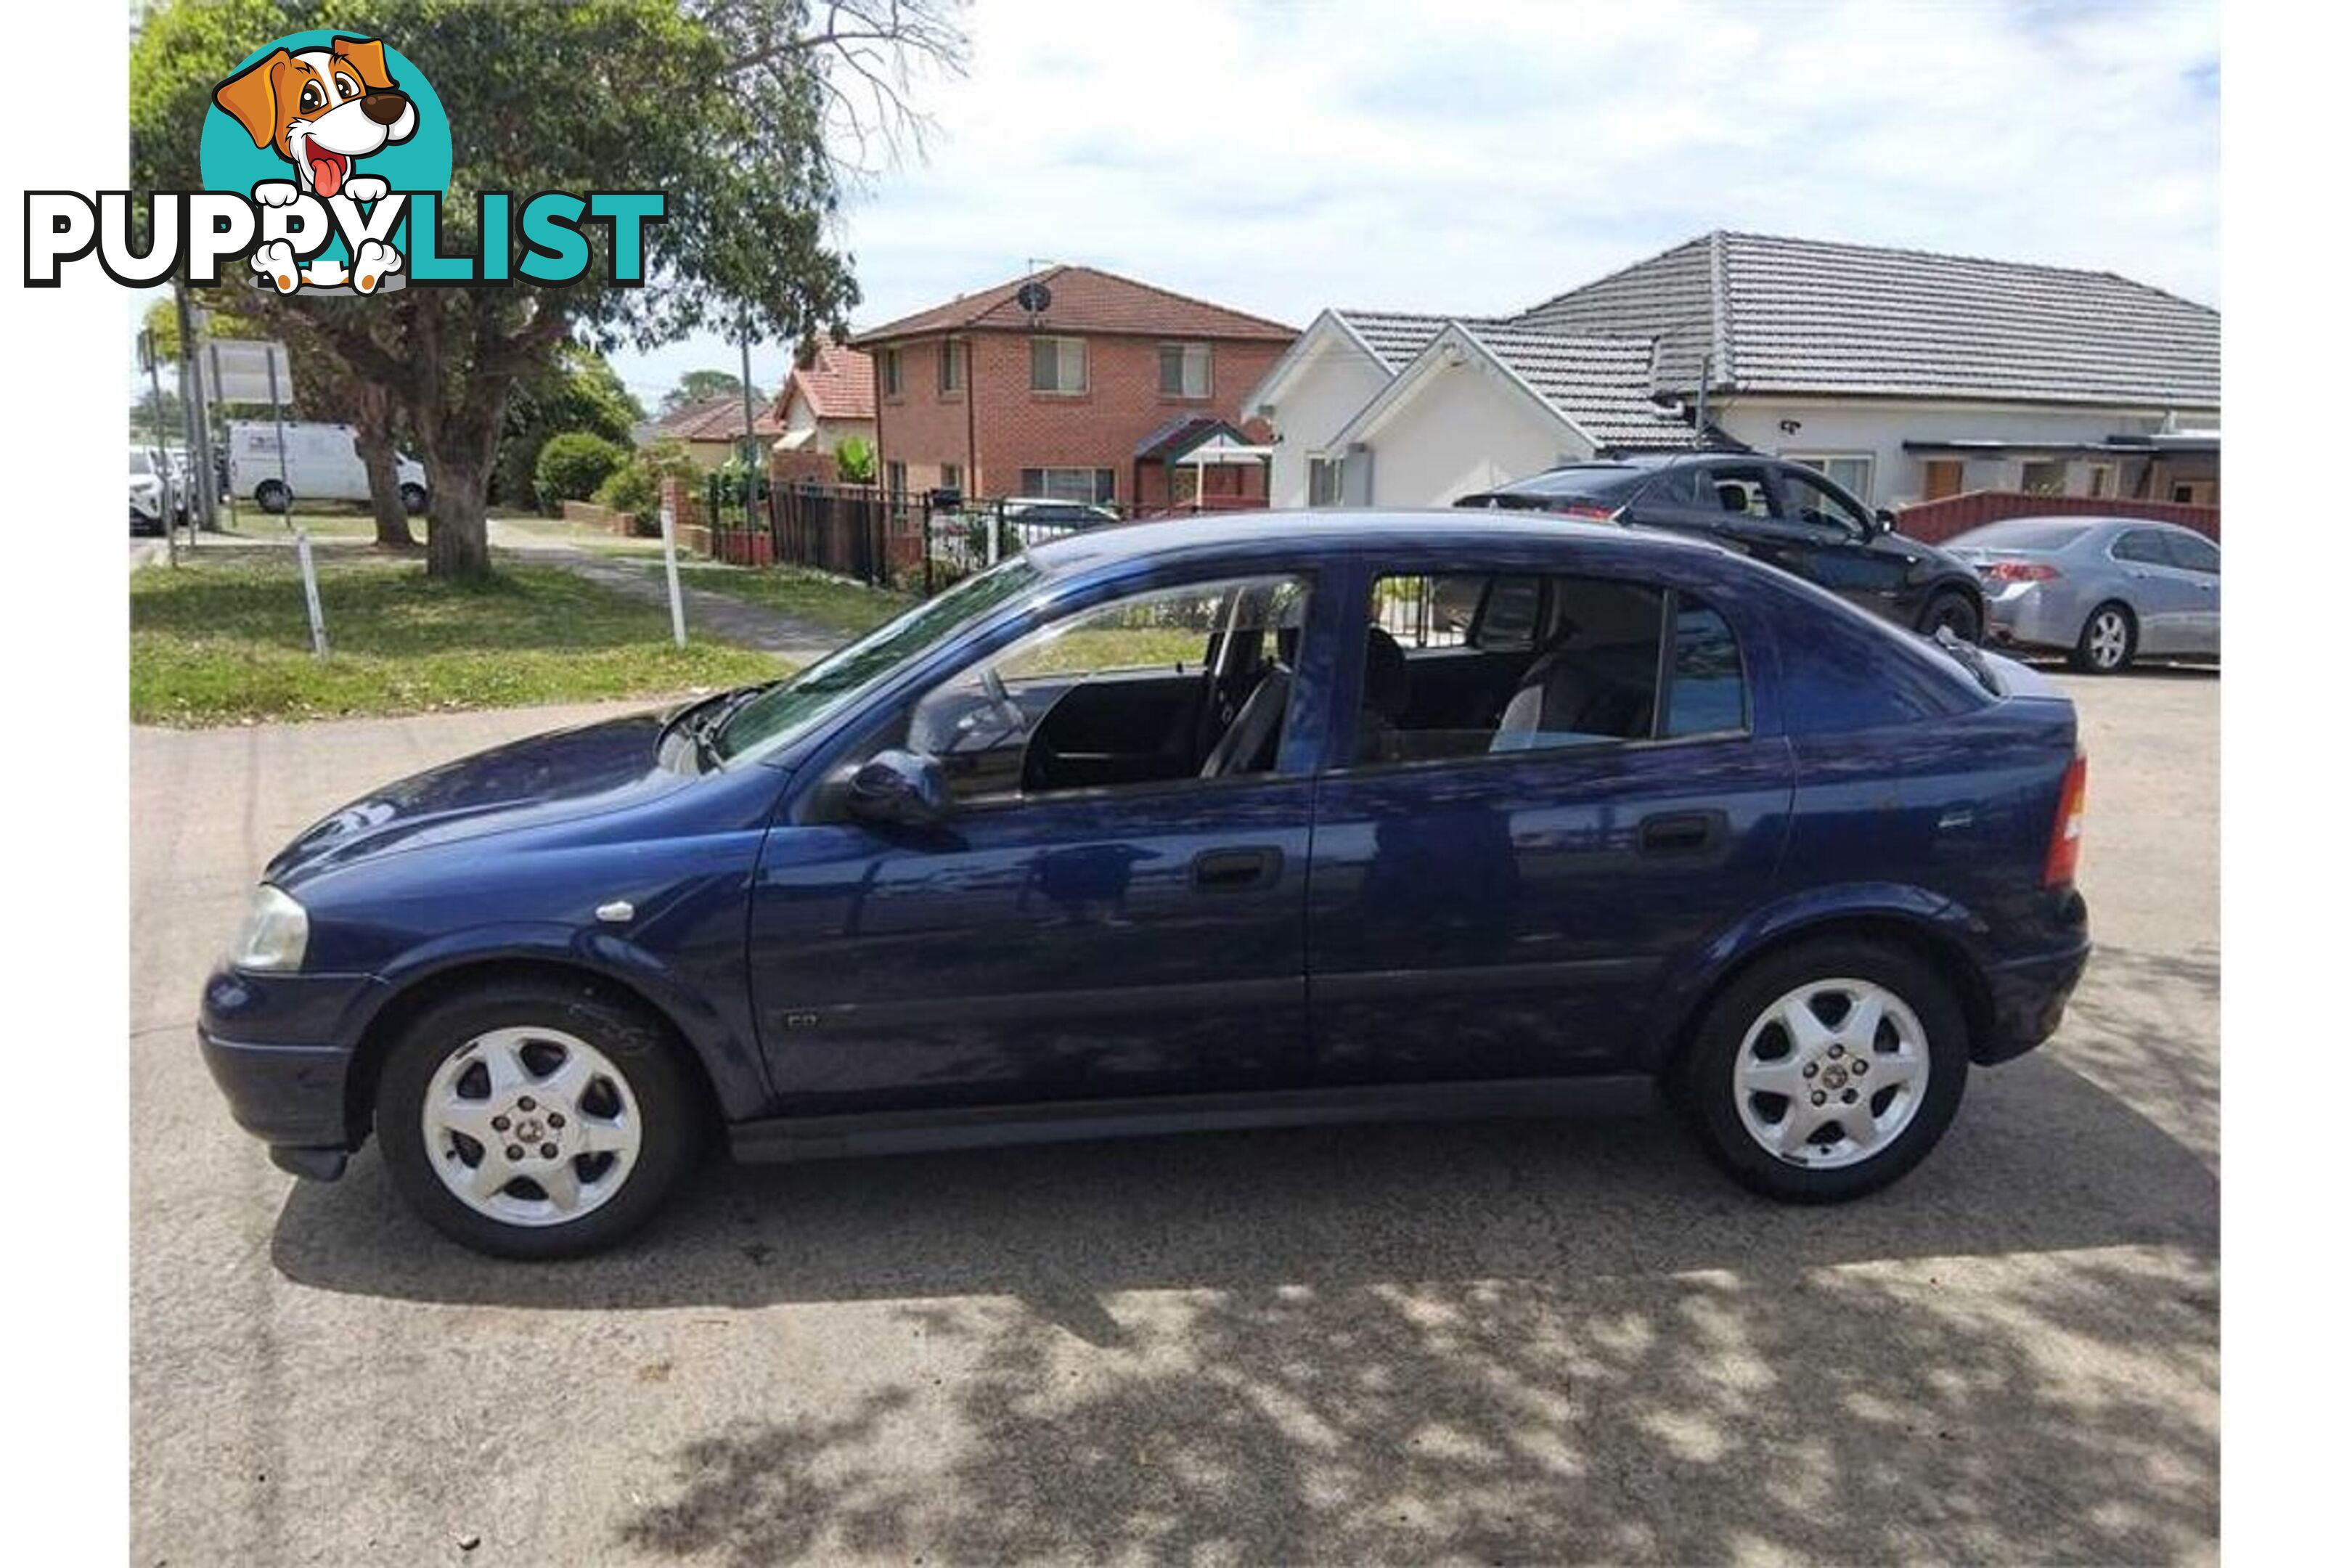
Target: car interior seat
x,y
1388,693
1732,494
1572,693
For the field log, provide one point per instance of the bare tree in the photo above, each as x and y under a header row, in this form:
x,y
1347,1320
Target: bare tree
x,y
863,59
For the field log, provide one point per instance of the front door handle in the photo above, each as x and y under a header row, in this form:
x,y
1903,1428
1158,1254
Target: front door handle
x,y
1235,870
1681,832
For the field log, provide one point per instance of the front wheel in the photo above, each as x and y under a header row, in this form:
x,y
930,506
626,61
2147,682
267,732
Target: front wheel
x,y
1954,611
535,1119
1827,1071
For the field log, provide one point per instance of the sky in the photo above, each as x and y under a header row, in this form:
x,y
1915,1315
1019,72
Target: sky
x,y
1282,156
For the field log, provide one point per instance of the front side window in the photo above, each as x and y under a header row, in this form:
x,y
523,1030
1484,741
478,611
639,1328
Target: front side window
x,y
1536,663
1183,370
1739,492
1167,686
2192,554
1817,507
1057,365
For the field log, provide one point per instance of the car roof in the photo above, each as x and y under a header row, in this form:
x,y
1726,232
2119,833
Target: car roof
x,y
1340,532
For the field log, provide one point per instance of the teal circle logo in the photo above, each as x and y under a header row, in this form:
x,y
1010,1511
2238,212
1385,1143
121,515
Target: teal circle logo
x,y
325,114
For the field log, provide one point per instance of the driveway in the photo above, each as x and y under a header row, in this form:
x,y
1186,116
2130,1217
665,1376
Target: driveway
x,y
1518,1341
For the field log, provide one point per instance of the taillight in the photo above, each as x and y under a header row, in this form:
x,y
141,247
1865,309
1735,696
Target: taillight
x,y
1590,513
2067,833
2018,571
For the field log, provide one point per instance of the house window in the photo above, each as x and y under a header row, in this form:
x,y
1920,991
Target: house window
x,y
1088,485
1323,480
891,385
952,476
1057,365
1941,477
893,478
1183,370
1850,473
2047,478
2103,479
950,365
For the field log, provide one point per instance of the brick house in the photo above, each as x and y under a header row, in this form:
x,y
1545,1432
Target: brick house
x,y
1077,400
712,429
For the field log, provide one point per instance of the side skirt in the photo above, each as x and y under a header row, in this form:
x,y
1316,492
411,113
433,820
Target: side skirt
x,y
785,1138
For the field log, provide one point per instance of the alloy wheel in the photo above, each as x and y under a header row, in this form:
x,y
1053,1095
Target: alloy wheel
x,y
2109,636
531,1126
1830,1073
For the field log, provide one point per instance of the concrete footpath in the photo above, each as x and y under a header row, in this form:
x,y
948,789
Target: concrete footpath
x,y
1520,1341
716,615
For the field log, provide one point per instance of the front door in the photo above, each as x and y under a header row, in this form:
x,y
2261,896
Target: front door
x,y
2167,601
2201,559
1499,899
1114,908
1839,549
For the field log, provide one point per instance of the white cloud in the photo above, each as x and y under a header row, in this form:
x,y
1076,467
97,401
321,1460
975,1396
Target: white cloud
x,y
1478,157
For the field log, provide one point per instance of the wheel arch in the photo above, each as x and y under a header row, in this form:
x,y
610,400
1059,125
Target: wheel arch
x,y
1922,934
400,1003
1966,587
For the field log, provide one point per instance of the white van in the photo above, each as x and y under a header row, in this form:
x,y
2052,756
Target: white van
x,y
322,463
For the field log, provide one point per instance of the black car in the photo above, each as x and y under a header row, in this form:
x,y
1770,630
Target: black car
x,y
1780,512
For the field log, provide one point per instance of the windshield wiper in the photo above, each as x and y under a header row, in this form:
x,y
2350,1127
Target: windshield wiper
x,y
705,727
1969,657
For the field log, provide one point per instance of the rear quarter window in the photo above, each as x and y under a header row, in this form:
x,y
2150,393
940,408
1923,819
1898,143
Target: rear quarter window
x,y
1842,669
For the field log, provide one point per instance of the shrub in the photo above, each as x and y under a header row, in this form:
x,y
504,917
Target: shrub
x,y
636,486
572,465
853,460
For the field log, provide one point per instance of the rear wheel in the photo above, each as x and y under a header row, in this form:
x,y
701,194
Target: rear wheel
x,y
1956,611
2109,638
272,497
413,498
1827,1071
535,1118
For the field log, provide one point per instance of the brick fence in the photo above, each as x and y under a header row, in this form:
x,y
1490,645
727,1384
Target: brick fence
x,y
591,515
1932,522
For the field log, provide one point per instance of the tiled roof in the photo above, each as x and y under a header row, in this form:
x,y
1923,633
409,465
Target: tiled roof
x,y
1812,316
838,386
1397,335
1085,298
1600,385
719,418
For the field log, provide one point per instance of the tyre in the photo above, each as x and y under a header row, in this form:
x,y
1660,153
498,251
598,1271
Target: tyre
x,y
2110,637
535,1119
1953,609
272,497
413,498
1827,1071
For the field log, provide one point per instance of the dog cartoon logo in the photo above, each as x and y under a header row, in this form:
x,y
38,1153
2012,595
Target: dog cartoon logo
x,y
323,110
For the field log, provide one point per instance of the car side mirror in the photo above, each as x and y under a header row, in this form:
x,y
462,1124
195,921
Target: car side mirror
x,y
906,788
1885,520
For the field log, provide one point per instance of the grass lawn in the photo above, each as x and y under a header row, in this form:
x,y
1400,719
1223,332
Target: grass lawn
x,y
837,603
224,640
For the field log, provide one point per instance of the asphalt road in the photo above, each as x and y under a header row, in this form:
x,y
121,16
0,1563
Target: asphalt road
x,y
1510,1342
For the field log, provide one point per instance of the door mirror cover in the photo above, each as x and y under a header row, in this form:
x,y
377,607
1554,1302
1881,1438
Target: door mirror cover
x,y
1885,520
908,788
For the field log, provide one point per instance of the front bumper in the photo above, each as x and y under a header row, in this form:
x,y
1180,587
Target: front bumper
x,y
275,1044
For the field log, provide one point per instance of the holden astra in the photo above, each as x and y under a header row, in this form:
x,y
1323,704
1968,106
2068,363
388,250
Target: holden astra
x,y
1216,823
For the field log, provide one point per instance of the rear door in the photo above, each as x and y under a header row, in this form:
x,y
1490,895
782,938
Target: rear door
x,y
2167,601
1504,912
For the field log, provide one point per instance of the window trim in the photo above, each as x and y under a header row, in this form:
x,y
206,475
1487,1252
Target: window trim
x,y
1085,366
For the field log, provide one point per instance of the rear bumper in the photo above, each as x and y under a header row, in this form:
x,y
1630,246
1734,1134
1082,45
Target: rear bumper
x,y
2029,999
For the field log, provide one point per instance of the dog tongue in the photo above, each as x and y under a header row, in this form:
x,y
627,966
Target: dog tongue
x,y
326,171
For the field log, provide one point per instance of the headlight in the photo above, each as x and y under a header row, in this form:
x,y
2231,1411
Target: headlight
x,y
276,932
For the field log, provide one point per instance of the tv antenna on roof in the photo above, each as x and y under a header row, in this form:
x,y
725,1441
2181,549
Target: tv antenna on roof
x,y
1034,298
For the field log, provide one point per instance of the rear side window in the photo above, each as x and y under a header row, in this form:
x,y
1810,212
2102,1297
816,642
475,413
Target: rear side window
x,y
1705,695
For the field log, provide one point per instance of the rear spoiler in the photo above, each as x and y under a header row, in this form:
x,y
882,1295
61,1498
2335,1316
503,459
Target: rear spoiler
x,y
2001,677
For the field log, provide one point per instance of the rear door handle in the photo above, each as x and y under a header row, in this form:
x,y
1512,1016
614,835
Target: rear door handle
x,y
1235,870
1681,832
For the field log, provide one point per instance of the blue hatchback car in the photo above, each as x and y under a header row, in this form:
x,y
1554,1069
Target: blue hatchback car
x,y
1216,823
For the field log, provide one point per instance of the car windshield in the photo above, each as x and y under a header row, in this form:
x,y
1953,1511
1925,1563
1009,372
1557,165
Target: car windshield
x,y
2027,533
789,706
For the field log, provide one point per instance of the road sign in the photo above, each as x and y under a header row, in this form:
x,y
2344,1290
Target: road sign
x,y
245,370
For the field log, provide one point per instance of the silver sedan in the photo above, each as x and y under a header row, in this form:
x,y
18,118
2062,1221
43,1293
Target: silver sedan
x,y
2103,590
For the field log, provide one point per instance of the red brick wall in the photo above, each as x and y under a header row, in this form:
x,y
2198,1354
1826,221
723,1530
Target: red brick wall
x,y
1017,428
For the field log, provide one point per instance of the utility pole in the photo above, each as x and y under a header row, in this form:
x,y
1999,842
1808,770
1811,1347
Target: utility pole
x,y
192,403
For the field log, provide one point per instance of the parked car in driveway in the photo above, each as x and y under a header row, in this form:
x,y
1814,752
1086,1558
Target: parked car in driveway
x,y
2105,590
1784,514
1163,827
149,472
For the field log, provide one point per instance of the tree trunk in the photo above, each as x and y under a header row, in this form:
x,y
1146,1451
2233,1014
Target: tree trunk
x,y
457,533
373,438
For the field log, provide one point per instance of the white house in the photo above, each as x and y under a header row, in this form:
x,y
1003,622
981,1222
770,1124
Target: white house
x,y
1903,375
